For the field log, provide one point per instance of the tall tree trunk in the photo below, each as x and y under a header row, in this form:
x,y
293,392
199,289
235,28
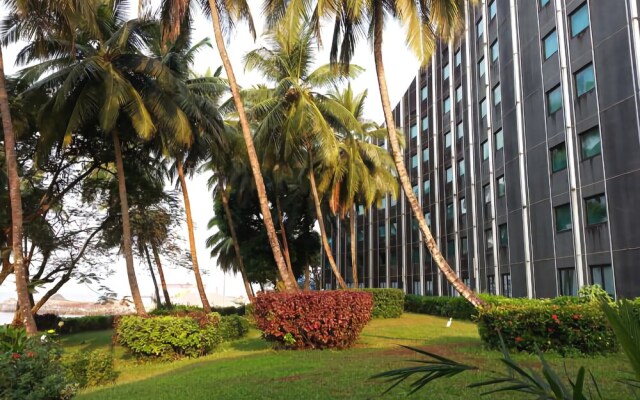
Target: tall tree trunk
x,y
126,227
192,239
323,233
283,234
449,274
354,260
289,281
307,277
163,282
236,244
15,198
153,277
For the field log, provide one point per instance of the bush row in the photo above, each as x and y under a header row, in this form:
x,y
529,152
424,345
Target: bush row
x,y
387,303
182,309
317,320
46,322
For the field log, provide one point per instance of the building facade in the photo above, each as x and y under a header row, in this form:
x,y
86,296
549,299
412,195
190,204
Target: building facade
x,y
523,147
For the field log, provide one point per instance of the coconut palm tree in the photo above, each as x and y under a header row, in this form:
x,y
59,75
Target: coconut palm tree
x,y
223,15
425,22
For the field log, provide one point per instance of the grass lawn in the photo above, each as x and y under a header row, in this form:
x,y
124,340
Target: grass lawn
x,y
250,369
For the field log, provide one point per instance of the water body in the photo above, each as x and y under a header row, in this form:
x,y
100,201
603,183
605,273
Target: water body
x,y
5,318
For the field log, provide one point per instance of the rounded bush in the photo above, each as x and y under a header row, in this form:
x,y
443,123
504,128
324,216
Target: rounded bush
x,y
387,303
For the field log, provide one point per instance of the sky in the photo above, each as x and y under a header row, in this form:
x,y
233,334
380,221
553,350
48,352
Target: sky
x,y
400,65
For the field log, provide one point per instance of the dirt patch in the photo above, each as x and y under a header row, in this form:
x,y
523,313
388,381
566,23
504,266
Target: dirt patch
x,y
291,378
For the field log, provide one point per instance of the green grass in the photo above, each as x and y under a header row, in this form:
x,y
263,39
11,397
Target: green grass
x,y
250,369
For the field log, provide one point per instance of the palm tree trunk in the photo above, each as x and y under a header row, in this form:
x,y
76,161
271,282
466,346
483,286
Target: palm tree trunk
x,y
163,282
192,239
323,233
354,262
15,198
289,281
283,234
153,277
126,227
236,244
451,276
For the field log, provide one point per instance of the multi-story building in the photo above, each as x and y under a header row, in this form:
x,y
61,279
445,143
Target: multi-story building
x,y
523,147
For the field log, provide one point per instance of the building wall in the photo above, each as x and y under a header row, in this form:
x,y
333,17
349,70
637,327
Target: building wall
x,y
506,129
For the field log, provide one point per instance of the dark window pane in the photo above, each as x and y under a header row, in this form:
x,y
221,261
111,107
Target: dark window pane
x,y
590,143
596,208
567,282
501,187
550,44
554,101
559,158
563,217
504,235
579,20
585,80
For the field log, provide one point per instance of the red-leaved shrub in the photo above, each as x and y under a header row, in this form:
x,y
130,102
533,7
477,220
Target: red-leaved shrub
x,y
315,320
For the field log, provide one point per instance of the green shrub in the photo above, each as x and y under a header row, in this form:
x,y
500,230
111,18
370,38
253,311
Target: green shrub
x,y
85,324
88,369
455,307
233,327
569,328
12,339
387,303
181,309
169,337
45,322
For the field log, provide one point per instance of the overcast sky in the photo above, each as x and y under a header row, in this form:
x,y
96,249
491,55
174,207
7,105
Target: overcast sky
x,y
401,68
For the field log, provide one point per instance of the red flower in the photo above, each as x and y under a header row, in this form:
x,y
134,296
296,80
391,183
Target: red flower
x,y
15,356
518,339
554,317
576,317
31,354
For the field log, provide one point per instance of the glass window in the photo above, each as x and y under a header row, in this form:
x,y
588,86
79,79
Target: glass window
x,y
381,231
497,95
461,170
447,105
495,51
459,94
567,281
596,208
493,10
501,186
544,3
460,130
414,161
360,210
499,139
427,217
393,201
415,190
485,150
446,72
480,28
428,290
503,234
424,93
491,284
450,212
563,217
449,173
447,140
483,108
464,244
451,250
590,143
463,206
579,20
393,228
414,131
603,275
550,44
559,157
458,57
416,287
585,80
488,238
481,67
425,155
426,187
383,203
486,190
554,100
425,123
360,235
506,285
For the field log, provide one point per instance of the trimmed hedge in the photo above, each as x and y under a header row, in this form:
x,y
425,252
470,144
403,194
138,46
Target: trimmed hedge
x,y
315,320
233,327
181,309
565,329
89,323
387,303
169,337
93,368
456,307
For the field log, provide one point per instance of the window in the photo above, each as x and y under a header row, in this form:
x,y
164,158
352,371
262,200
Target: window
x,y
563,217
416,288
501,186
590,143
544,3
393,228
481,67
558,157
491,284
567,281
480,28
414,161
503,234
424,93
460,130
596,209
495,51
393,201
498,139
425,155
488,238
483,108
447,140
450,212
447,105
383,203
425,124
506,285
381,231
451,250
360,210
497,95
449,173
415,229
427,217
464,244
550,44
485,150
415,190
486,190
493,10
414,131
458,57
360,236
603,275
585,80
554,100
461,170
426,187
428,290
459,94
446,72
579,20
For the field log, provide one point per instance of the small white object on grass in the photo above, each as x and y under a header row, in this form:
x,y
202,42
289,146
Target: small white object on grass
x,y
449,322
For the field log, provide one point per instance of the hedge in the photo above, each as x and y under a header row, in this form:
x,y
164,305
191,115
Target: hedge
x,y
182,309
387,303
46,322
233,327
316,320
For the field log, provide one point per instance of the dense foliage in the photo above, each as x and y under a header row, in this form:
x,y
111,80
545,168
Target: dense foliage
x,y
74,325
387,303
88,369
233,327
182,309
316,320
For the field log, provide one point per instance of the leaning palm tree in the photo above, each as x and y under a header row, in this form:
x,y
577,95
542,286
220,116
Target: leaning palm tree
x,y
224,14
425,22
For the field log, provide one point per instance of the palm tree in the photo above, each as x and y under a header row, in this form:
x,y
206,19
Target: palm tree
x,y
425,22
